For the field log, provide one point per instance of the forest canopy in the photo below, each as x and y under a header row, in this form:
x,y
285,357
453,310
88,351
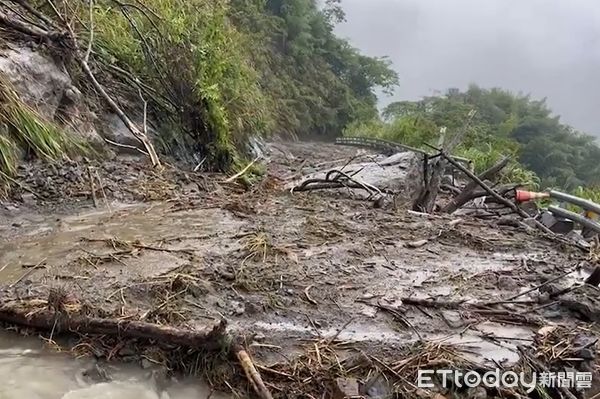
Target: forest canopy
x,y
496,123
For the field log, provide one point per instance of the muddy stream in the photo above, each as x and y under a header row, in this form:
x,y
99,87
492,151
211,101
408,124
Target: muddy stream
x,y
31,371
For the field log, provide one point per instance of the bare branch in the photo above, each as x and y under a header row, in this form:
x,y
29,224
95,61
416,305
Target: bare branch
x,y
91,38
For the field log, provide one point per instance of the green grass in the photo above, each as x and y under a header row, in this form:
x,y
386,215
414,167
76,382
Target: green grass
x,y
23,130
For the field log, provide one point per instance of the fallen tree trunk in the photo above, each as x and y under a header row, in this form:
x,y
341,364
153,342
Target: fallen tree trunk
x,y
465,196
37,314
19,313
496,196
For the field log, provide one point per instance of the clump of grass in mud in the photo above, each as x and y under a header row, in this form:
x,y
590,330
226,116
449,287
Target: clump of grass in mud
x,y
257,246
24,129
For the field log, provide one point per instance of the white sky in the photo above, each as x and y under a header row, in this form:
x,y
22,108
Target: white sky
x,y
548,48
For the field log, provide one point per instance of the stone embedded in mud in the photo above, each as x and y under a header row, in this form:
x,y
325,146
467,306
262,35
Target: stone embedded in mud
x,y
238,308
115,130
368,311
346,388
378,387
507,283
477,393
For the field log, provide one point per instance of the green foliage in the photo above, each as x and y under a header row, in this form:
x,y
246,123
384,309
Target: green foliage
x,y
590,193
318,83
197,63
222,70
22,129
410,130
513,125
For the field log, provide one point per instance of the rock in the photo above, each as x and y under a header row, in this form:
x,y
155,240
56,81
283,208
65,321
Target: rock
x,y
586,353
127,351
46,87
238,308
507,283
346,388
584,302
11,208
252,308
115,130
369,311
95,374
146,364
36,78
378,388
28,199
257,147
453,318
508,220
477,393
399,173
259,337
417,244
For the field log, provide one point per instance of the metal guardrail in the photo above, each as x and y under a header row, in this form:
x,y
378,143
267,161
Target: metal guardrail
x,y
583,203
380,144
556,211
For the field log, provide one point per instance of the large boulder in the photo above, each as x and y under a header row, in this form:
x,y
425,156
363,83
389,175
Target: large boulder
x,y
400,174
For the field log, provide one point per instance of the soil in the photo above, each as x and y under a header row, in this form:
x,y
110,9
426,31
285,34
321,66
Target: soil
x,y
294,274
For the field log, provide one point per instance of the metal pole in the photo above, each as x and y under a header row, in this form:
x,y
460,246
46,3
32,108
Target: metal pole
x,y
585,204
575,217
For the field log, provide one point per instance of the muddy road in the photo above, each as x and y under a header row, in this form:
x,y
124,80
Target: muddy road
x,y
285,270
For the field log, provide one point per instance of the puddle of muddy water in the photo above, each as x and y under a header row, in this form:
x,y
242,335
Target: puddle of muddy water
x,y
501,349
30,372
58,239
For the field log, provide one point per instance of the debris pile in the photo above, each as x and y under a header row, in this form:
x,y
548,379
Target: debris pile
x,y
323,296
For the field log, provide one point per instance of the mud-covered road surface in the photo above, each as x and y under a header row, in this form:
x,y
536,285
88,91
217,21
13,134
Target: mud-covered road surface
x,y
287,270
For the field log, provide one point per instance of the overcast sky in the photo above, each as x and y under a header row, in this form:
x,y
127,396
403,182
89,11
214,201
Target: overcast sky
x,y
548,48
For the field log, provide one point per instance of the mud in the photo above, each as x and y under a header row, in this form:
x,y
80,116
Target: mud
x,y
282,268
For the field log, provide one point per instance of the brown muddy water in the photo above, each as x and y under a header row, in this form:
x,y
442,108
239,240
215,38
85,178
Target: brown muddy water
x,y
57,240
29,371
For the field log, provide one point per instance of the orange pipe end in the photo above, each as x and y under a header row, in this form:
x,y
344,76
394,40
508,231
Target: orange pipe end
x,y
524,196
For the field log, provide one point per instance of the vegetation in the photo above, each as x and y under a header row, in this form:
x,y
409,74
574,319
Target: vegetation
x,y
210,73
496,122
23,130
216,71
317,82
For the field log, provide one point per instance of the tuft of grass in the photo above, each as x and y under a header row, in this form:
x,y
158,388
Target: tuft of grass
x,y
22,128
8,154
258,246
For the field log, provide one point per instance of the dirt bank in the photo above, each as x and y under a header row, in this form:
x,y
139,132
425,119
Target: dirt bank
x,y
321,286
